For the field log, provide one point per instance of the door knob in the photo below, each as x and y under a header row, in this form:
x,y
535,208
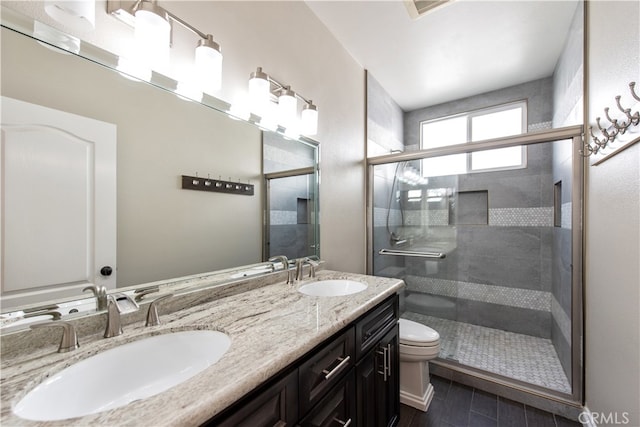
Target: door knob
x,y
106,271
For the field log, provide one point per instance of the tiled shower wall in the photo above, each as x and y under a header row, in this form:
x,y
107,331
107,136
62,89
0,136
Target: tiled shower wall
x,y
499,273
511,273
290,233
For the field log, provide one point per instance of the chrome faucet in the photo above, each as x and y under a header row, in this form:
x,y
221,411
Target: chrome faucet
x,y
152,314
100,292
285,266
69,339
118,304
300,262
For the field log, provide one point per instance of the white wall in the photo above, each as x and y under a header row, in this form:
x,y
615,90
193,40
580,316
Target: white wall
x,y
291,44
612,263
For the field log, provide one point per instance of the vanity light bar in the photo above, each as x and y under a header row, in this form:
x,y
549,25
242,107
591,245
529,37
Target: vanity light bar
x,y
264,89
216,185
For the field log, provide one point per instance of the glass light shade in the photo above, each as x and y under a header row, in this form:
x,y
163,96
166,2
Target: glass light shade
x,y
76,14
259,91
287,107
153,37
309,118
133,70
209,65
240,108
189,90
269,118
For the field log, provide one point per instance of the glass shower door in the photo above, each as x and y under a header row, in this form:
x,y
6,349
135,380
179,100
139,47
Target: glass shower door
x,y
486,257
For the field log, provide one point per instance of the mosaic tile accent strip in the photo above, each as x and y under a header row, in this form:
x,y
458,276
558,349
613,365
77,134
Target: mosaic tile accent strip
x,y
561,318
513,297
522,357
498,217
565,215
427,217
521,217
283,217
539,126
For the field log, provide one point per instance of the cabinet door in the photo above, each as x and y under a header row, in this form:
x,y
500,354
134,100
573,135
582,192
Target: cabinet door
x,y
389,387
337,408
325,368
275,406
378,383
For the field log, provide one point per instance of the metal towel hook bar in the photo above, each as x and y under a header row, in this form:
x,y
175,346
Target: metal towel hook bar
x,y
615,128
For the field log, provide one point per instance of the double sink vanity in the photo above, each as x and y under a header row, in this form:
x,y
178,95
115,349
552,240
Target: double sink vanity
x,y
256,350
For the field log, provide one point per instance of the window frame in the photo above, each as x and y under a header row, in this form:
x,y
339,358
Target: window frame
x,y
469,115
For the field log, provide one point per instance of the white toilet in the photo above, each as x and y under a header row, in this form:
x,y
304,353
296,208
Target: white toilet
x,y
418,345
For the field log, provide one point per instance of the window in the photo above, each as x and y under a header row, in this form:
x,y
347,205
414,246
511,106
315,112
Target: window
x,y
496,122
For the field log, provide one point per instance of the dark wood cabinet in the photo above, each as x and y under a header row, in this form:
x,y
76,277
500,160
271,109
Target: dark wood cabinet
x,y
277,405
324,368
352,379
337,408
378,384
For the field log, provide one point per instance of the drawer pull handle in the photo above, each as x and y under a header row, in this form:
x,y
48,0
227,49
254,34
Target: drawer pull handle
x,y
386,369
343,423
342,364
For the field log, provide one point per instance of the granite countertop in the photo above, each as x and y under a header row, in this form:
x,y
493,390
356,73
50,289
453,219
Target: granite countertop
x,y
270,327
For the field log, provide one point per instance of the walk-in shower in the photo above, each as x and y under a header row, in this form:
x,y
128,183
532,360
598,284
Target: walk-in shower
x,y
491,259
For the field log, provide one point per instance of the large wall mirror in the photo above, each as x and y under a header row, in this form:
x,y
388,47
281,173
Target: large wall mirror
x,y
159,230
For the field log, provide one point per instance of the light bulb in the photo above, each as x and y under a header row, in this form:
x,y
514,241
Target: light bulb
x,y
309,117
287,107
259,91
153,36
76,14
209,65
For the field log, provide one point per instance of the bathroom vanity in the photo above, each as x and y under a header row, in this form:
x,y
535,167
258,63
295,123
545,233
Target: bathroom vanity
x,y
352,379
293,358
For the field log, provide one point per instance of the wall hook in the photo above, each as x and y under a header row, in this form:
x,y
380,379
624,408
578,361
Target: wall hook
x,y
617,127
633,92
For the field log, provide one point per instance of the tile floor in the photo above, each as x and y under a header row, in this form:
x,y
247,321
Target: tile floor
x,y
522,357
456,405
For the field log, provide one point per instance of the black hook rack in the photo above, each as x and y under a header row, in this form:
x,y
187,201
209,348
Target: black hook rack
x,y
216,185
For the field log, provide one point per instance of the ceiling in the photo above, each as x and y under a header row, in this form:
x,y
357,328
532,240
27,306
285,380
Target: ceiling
x,y
459,49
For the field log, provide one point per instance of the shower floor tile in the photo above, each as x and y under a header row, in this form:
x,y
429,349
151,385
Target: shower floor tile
x,y
522,357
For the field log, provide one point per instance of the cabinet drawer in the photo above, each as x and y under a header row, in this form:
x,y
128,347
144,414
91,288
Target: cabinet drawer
x,y
275,406
337,408
325,368
374,325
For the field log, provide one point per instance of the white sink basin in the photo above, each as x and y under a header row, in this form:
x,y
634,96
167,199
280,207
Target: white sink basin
x,y
332,288
121,375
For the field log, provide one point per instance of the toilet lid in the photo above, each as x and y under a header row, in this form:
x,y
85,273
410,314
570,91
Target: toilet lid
x,y
417,334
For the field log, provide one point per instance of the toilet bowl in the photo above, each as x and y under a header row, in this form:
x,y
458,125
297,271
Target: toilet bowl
x,y
418,344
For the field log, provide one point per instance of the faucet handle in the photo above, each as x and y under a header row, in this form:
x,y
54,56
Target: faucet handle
x,y
114,326
69,339
152,315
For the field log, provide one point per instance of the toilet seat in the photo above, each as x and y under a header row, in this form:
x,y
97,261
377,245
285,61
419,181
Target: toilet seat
x,y
417,335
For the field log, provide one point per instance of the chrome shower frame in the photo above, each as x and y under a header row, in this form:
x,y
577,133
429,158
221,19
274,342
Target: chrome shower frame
x,y
568,405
